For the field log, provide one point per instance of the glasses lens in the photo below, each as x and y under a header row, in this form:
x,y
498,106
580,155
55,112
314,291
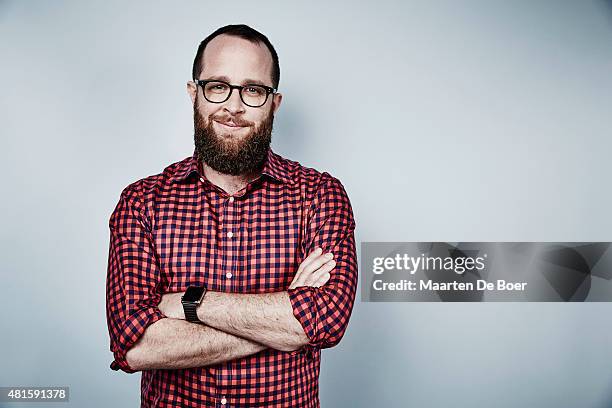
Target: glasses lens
x,y
216,91
254,95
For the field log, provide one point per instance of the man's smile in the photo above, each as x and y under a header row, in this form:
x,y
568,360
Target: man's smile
x,y
230,125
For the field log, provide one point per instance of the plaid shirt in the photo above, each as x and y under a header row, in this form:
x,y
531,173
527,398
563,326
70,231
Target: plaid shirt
x,y
171,230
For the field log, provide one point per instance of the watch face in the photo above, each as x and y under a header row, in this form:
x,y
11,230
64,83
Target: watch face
x,y
193,294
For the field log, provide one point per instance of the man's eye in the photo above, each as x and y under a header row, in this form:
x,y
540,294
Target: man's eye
x,y
217,87
252,90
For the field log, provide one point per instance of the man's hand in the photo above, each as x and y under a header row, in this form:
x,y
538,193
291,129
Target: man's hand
x,y
171,305
314,270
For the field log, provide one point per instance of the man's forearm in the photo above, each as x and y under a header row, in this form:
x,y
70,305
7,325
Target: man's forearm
x,y
173,344
265,318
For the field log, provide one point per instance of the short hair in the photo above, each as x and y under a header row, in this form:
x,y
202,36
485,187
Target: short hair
x,y
241,31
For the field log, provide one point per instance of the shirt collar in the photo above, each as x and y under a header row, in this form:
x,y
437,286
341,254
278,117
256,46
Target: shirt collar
x,y
274,166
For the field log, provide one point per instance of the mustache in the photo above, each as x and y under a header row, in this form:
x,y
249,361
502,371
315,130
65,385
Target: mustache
x,y
225,118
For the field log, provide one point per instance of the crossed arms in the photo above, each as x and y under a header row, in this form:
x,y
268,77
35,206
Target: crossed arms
x,y
147,329
236,325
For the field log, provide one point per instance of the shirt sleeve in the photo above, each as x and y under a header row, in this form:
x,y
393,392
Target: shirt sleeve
x,y
133,278
324,312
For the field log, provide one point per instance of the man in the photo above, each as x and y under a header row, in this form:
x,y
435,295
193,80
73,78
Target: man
x,y
232,269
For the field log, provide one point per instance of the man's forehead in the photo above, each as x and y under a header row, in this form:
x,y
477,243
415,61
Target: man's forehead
x,y
237,59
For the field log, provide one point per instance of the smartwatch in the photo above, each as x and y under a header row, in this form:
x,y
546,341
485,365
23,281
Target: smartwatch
x,y
191,300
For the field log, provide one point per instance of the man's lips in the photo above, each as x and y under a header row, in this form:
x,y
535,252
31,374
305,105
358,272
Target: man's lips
x,y
230,124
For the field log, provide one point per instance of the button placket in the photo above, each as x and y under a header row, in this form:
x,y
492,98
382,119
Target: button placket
x,y
232,240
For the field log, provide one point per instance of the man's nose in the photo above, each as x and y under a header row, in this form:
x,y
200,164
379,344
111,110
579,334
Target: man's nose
x,y
234,103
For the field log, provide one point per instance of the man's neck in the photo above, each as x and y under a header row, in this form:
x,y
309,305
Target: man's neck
x,y
229,183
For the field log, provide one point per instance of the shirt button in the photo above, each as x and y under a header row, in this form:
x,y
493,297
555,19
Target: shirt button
x,y
228,275
223,401
230,234
231,199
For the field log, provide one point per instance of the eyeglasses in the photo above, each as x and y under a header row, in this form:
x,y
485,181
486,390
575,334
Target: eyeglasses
x,y
216,91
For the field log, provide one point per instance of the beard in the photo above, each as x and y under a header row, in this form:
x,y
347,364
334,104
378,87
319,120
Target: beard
x,y
226,154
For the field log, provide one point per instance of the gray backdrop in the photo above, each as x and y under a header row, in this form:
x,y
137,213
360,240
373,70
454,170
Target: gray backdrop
x,y
445,121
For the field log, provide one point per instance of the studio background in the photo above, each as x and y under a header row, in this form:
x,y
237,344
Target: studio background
x,y
444,120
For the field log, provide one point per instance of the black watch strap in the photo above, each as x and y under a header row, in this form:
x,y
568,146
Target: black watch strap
x,y
191,314
191,300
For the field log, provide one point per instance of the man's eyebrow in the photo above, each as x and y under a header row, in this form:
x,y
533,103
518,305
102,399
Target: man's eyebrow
x,y
218,78
247,81
253,82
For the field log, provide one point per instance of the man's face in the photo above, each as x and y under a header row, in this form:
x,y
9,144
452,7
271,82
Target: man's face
x,y
231,137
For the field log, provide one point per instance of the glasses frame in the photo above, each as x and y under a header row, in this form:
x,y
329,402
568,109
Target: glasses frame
x,y
203,82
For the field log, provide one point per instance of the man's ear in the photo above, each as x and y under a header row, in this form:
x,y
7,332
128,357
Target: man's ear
x,y
276,101
192,89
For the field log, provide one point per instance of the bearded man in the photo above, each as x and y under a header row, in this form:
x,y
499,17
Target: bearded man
x,y
229,271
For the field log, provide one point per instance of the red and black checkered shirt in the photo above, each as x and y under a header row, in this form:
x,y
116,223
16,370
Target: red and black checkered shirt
x,y
170,231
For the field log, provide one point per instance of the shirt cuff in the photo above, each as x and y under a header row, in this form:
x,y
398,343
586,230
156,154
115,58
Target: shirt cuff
x,y
302,302
133,328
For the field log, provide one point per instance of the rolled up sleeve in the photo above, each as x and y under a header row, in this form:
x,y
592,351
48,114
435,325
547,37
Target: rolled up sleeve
x,y
133,277
324,312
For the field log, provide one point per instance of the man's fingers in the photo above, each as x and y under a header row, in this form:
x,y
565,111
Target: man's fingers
x,y
316,279
318,262
311,257
322,280
297,279
322,275
324,270
310,270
